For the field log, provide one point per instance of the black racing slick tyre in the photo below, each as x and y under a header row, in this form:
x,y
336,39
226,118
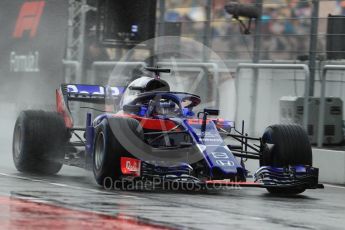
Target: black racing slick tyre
x,y
286,145
39,141
108,150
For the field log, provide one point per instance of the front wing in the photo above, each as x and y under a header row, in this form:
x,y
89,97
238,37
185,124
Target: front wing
x,y
304,177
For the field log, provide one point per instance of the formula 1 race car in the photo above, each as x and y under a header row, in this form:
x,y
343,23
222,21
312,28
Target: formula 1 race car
x,y
156,136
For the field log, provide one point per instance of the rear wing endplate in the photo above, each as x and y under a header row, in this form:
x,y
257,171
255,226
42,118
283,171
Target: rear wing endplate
x,y
95,94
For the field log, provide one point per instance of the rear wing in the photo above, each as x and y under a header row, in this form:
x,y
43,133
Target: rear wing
x,y
90,93
95,94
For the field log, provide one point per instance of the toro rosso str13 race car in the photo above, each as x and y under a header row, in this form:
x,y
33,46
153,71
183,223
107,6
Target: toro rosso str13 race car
x,y
156,134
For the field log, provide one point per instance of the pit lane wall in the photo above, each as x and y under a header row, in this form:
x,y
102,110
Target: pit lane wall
x,y
331,164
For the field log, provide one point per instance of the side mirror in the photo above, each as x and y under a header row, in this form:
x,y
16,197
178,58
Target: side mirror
x,y
132,108
212,112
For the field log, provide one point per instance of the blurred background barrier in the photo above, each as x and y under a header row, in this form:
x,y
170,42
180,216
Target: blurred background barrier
x,y
255,67
323,115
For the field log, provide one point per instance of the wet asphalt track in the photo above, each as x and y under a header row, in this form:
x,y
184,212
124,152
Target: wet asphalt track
x,y
247,208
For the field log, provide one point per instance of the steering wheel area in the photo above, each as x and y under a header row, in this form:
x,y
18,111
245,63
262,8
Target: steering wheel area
x,y
163,106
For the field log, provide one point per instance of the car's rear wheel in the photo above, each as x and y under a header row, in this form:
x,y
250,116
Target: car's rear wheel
x,y
39,141
286,145
108,150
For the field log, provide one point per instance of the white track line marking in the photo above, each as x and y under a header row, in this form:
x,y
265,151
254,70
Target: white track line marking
x,y
64,185
334,186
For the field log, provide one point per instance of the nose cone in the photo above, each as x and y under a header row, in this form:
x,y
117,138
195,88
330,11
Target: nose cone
x,y
233,173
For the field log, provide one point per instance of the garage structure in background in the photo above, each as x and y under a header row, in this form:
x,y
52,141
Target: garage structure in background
x,y
32,41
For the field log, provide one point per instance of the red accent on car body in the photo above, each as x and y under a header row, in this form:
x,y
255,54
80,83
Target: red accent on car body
x,y
62,109
151,123
234,183
219,122
196,121
157,124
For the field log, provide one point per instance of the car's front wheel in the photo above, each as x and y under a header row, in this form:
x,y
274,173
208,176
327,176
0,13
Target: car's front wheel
x,y
108,150
286,145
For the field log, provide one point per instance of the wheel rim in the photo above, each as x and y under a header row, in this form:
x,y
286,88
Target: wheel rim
x,y
99,150
17,141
